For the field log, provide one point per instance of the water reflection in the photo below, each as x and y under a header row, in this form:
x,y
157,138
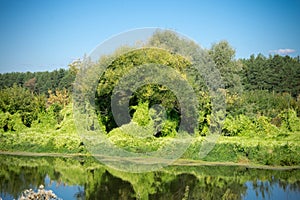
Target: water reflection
x,y
109,187
85,178
63,190
275,189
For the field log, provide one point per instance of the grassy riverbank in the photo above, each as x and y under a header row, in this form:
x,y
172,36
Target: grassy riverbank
x,y
48,137
274,150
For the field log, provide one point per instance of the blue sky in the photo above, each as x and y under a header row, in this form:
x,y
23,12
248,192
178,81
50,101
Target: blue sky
x,y
39,35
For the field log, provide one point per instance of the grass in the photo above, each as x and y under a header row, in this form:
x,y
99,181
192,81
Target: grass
x,y
261,150
244,150
47,136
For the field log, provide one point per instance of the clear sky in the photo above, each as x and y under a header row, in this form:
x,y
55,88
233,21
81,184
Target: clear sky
x,y
39,35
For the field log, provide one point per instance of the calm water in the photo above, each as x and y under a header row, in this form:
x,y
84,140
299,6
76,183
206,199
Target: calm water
x,y
84,178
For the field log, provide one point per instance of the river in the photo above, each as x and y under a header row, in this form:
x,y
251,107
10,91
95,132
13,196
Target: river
x,y
85,178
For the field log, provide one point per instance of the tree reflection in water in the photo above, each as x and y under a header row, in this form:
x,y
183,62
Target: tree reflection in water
x,y
95,181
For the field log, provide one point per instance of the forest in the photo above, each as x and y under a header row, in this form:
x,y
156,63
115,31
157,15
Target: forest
x,y
262,123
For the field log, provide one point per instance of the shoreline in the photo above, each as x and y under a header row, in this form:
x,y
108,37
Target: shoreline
x,y
178,162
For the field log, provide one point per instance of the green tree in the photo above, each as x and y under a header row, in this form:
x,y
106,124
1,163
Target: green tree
x,y
223,56
20,100
275,74
152,93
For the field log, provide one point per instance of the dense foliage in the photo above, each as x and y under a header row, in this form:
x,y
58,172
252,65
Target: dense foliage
x,y
262,100
39,82
151,93
17,102
276,74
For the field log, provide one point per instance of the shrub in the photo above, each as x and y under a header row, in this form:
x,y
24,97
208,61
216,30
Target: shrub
x,y
265,127
10,122
19,100
290,121
239,125
134,138
141,114
54,111
169,128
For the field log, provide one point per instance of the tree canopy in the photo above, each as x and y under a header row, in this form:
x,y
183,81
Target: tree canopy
x,y
254,86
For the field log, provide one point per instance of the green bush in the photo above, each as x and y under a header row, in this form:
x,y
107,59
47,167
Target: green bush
x,y
54,110
134,138
231,126
264,126
5,122
156,119
19,100
169,128
141,114
239,125
289,120
10,122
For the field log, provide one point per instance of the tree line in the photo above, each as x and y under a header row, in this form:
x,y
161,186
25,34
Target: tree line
x,y
39,82
276,73
259,85
25,95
